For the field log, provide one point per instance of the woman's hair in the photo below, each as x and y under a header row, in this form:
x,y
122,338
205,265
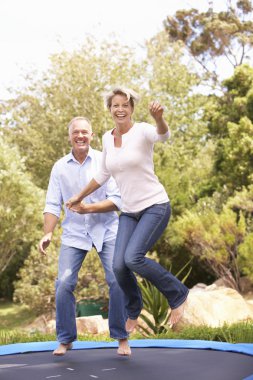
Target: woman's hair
x,y
131,96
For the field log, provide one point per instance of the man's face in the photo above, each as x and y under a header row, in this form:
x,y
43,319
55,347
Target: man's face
x,y
80,135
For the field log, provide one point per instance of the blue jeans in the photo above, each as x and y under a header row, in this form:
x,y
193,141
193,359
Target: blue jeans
x,y
136,235
70,261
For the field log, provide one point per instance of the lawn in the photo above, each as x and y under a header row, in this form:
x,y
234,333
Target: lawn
x,y
14,316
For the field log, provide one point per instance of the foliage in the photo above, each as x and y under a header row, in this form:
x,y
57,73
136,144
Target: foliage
x,y
208,35
155,303
20,212
18,336
208,158
246,257
13,316
242,203
240,332
237,333
213,238
174,83
36,279
230,119
37,118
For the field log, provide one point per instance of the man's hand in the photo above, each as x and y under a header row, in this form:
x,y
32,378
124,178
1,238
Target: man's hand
x,y
44,243
80,208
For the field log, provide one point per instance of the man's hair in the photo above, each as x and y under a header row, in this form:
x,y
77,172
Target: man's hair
x,y
130,94
79,118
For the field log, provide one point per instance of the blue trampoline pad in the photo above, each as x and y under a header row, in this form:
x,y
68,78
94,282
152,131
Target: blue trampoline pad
x,y
150,360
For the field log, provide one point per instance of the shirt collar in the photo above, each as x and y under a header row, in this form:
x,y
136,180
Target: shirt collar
x,y
71,157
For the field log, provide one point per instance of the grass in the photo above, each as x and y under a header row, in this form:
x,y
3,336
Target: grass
x,y
14,318
237,333
241,332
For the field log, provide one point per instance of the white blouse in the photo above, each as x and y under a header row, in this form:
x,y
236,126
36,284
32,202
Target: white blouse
x,y
132,167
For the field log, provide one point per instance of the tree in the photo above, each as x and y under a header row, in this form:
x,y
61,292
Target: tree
x,y
37,117
175,83
36,120
210,35
20,213
230,124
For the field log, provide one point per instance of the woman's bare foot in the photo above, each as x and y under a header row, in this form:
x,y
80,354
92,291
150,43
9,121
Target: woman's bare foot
x,y
176,314
124,348
131,324
62,349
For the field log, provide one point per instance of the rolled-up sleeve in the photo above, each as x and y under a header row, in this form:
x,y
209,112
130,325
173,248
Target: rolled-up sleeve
x,y
163,137
54,196
112,192
151,134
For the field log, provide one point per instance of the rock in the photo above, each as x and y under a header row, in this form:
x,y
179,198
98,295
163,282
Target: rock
x,y
199,286
215,306
42,324
51,326
92,325
224,282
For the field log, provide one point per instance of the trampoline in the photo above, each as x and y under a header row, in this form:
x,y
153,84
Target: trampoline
x,y
151,359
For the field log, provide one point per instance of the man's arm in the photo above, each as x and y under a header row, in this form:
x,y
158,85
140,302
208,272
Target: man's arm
x,y
52,210
50,222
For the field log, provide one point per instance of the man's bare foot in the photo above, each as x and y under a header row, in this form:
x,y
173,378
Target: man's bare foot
x,y
124,348
131,324
62,349
176,314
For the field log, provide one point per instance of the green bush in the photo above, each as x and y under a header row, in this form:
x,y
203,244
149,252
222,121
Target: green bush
x,y
36,284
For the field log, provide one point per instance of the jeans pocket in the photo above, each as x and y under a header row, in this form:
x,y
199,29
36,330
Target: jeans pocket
x,y
161,208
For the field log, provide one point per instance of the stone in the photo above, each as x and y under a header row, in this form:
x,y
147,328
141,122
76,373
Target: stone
x,y
92,325
215,306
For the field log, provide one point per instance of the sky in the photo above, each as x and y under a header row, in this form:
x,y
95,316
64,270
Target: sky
x,y
32,30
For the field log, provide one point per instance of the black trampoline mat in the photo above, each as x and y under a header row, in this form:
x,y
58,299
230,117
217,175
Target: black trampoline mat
x,y
144,364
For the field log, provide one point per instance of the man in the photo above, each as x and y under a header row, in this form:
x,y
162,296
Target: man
x,y
95,227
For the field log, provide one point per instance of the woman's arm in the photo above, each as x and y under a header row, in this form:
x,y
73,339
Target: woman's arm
x,y
156,111
97,207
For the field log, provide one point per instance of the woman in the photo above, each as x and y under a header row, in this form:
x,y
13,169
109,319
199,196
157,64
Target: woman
x,y
128,157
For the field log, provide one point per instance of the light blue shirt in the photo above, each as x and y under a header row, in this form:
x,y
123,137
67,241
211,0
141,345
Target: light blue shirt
x,y
69,177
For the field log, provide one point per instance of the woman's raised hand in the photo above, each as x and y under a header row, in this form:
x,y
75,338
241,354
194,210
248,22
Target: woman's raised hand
x,y
156,110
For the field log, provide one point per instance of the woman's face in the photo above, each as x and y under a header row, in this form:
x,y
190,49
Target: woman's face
x,y
121,109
